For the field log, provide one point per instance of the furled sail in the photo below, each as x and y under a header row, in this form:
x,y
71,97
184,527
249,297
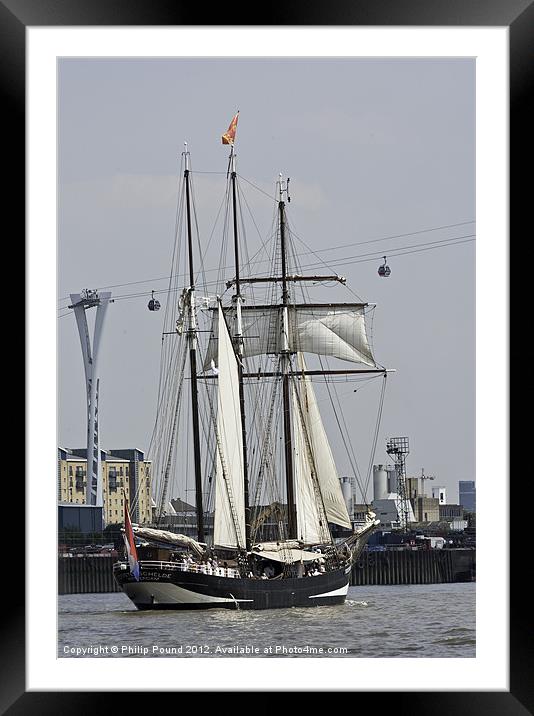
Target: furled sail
x,y
337,330
170,538
289,556
312,527
229,524
334,503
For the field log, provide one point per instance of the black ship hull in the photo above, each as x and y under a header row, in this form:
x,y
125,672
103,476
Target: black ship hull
x,y
165,587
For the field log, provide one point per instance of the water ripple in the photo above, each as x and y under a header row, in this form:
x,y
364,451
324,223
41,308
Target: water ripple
x,y
375,621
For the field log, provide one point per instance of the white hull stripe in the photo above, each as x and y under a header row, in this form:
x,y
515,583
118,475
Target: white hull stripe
x,y
161,593
335,593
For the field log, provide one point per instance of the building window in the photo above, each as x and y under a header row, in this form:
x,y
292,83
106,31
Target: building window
x,y
80,474
112,479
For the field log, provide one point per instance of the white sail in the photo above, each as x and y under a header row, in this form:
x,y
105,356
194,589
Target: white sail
x,y
331,331
337,330
229,523
311,529
334,503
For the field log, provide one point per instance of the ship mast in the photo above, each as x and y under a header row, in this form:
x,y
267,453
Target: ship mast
x,y
285,367
192,338
238,343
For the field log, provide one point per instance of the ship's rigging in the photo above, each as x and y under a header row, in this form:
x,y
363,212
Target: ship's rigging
x,y
271,322
240,424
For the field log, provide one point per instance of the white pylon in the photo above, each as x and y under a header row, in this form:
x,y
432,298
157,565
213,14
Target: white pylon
x,y
80,303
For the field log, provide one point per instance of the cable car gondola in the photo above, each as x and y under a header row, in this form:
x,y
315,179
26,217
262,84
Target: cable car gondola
x,y
384,269
153,304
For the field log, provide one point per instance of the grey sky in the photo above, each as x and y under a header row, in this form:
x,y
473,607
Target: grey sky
x,y
374,148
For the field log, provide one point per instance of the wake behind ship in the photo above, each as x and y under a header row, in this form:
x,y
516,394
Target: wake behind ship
x,y
239,397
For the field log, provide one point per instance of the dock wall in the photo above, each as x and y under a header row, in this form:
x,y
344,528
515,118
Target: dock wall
x,y
94,574
86,574
432,566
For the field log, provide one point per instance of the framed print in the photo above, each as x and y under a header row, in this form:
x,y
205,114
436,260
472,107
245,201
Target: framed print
x,y
98,87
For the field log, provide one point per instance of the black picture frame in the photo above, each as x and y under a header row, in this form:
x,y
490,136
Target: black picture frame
x,y
518,16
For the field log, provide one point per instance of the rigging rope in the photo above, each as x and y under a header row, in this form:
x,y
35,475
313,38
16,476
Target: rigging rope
x,y
170,455
375,438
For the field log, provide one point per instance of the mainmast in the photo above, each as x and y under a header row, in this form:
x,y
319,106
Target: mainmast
x,y
285,367
238,342
192,338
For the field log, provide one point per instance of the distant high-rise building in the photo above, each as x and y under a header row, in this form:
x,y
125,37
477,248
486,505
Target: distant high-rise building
x,y
467,492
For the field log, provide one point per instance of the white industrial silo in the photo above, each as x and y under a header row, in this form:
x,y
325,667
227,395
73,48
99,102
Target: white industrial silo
x,y
392,479
380,482
346,489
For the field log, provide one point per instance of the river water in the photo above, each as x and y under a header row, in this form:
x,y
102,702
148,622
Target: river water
x,y
431,620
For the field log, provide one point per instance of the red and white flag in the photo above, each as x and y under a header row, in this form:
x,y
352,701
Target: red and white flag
x,y
130,543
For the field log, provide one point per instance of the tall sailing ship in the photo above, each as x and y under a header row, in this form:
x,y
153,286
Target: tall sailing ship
x,y
272,525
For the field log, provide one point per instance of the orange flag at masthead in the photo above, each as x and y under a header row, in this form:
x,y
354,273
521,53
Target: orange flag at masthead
x,y
229,136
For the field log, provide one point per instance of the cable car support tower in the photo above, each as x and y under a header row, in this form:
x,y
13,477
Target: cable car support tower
x,y
81,302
